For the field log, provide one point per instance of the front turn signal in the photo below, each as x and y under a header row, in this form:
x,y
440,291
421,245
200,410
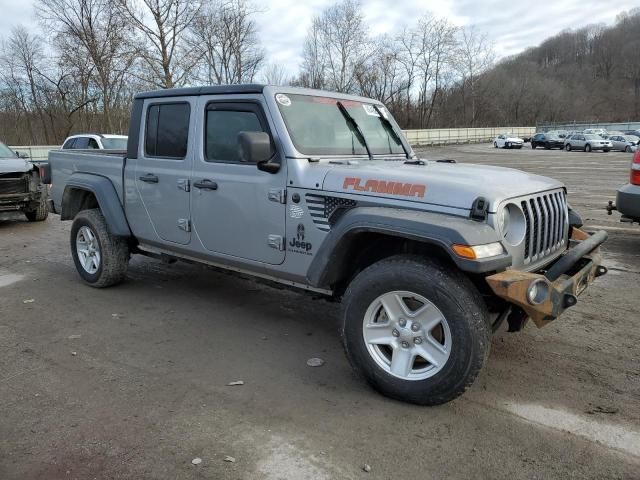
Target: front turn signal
x,y
477,252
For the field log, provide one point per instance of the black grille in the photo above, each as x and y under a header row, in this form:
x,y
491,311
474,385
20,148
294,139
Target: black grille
x,y
546,225
13,185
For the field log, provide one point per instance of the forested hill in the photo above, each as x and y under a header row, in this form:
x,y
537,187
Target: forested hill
x,y
588,74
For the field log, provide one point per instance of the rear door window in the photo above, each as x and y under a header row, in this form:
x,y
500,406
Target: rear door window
x,y
167,130
81,142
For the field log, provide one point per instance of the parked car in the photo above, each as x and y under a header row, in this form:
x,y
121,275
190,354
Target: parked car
x,y
624,143
96,141
508,140
20,186
297,186
587,142
547,140
635,133
595,131
628,196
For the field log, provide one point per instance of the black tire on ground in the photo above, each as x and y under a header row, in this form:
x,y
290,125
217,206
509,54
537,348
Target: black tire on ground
x,y
495,144
587,148
627,149
605,150
41,213
114,251
507,145
456,298
533,145
567,147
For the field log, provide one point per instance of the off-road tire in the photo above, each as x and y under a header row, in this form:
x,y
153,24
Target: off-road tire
x,y
114,251
452,293
41,213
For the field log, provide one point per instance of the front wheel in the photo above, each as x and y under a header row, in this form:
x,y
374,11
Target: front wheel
x,y
567,147
533,145
495,144
100,257
415,329
40,213
627,149
587,148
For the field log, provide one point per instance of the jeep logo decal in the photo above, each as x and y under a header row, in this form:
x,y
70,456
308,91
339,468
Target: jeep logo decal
x,y
298,245
381,186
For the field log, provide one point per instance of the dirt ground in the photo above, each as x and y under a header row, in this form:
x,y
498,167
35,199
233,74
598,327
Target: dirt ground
x,y
130,382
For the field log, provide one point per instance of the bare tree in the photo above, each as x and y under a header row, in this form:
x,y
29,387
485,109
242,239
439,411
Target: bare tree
x,y
336,47
275,74
99,32
162,26
475,55
224,37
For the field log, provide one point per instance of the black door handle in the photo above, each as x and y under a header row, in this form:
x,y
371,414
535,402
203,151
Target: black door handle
x,y
206,184
149,178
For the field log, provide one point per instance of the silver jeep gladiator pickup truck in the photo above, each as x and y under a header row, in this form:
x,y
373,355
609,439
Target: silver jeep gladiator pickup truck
x,y
322,192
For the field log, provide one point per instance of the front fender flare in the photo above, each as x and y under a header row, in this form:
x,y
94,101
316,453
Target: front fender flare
x,y
435,228
107,198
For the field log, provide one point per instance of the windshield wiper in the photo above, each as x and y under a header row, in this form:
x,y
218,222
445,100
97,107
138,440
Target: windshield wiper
x,y
355,126
390,126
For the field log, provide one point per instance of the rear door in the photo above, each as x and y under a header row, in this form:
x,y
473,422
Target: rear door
x,y
238,210
162,168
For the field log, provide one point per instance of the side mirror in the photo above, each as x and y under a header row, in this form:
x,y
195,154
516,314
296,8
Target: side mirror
x,y
255,147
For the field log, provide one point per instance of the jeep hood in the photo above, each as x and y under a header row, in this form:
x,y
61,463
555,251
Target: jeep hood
x,y
445,184
11,165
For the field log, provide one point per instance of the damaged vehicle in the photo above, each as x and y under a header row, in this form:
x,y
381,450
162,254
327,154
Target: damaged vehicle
x,y
21,188
321,191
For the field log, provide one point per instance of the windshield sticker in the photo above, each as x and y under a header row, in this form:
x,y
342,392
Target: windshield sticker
x,y
370,110
282,99
382,186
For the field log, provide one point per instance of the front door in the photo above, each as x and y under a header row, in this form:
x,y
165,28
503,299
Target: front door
x,y
238,210
162,170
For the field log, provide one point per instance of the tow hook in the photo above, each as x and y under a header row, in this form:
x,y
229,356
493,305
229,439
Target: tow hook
x,y
610,207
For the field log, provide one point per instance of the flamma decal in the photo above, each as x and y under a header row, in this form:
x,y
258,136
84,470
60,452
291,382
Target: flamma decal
x,y
382,186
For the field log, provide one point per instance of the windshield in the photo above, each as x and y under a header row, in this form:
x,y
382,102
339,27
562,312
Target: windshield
x,y
6,152
114,143
631,138
318,127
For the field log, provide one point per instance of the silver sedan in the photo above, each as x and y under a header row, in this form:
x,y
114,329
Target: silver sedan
x,y
587,142
624,143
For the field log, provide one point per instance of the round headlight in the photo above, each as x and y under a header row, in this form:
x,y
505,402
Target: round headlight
x,y
503,221
512,224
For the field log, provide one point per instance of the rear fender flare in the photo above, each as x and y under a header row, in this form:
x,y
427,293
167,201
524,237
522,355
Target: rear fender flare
x,y
106,196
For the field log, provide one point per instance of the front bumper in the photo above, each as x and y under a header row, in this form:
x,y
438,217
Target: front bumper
x,y
9,203
565,279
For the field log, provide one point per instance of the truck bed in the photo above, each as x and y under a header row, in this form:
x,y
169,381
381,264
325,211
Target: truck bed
x,y
65,163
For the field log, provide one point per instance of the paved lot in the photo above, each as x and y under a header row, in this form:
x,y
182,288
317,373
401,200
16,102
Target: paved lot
x,y
145,392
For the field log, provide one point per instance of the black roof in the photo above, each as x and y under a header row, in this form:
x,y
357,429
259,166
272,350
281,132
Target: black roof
x,y
208,90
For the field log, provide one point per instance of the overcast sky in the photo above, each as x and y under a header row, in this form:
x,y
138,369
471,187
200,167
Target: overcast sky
x,y
511,25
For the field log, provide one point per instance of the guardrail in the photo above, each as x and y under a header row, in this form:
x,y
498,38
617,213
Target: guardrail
x,y
441,136
448,136
35,152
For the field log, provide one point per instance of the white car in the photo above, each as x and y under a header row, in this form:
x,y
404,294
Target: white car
x,y
595,131
624,143
508,140
95,141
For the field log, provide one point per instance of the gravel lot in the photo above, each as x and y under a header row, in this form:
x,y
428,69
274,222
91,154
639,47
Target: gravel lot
x,y
130,382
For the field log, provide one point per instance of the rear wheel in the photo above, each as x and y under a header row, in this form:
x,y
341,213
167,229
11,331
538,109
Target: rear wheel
x,y
533,145
416,330
567,147
100,257
587,148
507,145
